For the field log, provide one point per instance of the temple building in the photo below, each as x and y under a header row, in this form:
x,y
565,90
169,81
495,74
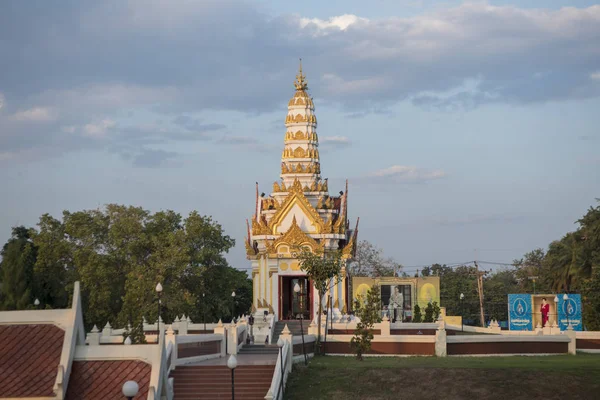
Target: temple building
x,y
298,214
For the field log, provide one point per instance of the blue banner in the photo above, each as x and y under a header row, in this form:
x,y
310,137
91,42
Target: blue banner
x,y
569,311
519,312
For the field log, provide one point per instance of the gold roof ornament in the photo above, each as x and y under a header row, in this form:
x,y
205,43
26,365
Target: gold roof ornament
x,y
296,239
300,82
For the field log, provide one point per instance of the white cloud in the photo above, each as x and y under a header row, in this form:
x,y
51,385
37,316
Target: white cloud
x,y
341,140
404,173
595,76
341,22
36,114
98,130
1,101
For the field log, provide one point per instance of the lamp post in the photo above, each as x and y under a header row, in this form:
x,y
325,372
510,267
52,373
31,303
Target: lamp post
x,y
130,389
233,306
462,313
159,290
36,303
297,291
556,307
280,345
204,310
232,364
565,299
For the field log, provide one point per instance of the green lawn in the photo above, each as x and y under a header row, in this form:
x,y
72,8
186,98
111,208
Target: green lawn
x,y
449,378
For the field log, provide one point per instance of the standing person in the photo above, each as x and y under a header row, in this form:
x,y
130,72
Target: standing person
x,y
397,303
544,309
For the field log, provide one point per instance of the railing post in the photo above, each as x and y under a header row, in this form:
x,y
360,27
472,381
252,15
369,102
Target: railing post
x,y
440,339
233,338
286,336
94,337
385,326
572,335
220,330
183,326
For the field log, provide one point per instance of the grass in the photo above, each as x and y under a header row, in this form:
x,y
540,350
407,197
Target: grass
x,y
449,378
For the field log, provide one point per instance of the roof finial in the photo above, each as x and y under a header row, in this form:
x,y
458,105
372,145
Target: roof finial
x,y
300,82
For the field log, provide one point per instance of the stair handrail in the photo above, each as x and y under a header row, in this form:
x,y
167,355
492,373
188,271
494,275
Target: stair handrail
x,y
275,390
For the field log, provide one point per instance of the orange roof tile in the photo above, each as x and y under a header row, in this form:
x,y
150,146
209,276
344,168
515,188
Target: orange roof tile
x,y
101,380
29,358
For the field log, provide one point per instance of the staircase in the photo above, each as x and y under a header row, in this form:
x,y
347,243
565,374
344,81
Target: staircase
x,y
293,326
252,382
259,349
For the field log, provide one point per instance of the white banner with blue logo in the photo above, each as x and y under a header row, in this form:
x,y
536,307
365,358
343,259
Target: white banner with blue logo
x,y
519,312
569,311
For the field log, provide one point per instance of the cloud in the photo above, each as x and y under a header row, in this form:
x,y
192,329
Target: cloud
x,y
99,129
405,174
1,100
335,141
36,114
341,23
169,62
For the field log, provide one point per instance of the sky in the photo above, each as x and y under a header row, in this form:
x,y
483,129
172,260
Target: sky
x,y
467,130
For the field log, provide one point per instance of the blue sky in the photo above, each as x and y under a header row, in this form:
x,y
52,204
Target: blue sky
x,y
466,129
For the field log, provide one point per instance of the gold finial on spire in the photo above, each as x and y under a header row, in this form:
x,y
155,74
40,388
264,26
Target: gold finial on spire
x,y
300,82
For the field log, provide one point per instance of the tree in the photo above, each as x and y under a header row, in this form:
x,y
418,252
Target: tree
x,y
496,287
368,313
530,267
591,301
324,272
119,254
16,270
418,317
370,261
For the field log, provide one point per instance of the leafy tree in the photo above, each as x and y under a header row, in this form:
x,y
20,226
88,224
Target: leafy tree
x,y
418,317
370,261
324,272
429,313
120,253
368,313
531,267
16,270
591,301
496,288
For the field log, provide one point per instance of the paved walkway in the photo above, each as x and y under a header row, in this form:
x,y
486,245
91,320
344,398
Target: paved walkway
x,y
242,359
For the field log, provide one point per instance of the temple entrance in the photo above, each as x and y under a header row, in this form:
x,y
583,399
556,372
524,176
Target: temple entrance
x,y
292,305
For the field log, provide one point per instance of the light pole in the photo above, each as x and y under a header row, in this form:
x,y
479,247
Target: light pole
x,y
233,306
462,313
297,291
280,345
565,299
232,364
204,310
130,389
36,303
159,290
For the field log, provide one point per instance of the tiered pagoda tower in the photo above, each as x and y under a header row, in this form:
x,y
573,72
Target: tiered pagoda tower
x,y
298,214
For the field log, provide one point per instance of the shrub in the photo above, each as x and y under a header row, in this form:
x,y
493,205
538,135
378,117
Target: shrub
x,y
418,317
368,312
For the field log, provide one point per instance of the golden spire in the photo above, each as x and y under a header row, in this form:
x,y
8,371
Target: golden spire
x,y
300,81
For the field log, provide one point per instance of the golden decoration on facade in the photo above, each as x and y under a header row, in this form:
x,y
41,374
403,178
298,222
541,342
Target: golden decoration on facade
x,y
296,196
249,250
328,226
299,118
296,240
300,83
340,226
299,152
270,204
260,227
276,187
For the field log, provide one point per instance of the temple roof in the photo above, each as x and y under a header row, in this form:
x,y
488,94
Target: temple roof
x,y
29,359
